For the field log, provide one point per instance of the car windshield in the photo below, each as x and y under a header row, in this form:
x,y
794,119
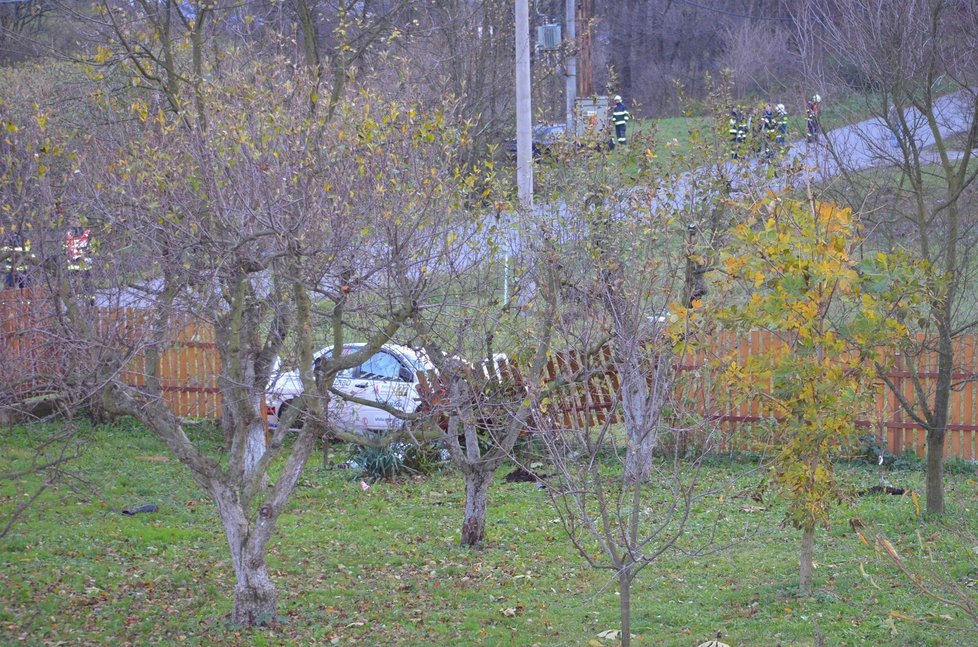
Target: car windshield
x,y
382,366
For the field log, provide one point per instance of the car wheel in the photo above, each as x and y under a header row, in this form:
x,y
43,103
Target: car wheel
x,y
284,409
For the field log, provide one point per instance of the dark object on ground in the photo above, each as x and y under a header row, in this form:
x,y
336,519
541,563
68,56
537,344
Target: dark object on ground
x,y
152,507
756,493
881,489
523,475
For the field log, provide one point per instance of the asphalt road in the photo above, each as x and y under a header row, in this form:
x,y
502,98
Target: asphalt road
x,y
871,143
857,146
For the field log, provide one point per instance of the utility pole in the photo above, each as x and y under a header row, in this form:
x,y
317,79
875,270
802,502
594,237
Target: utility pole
x,y
585,79
524,144
570,82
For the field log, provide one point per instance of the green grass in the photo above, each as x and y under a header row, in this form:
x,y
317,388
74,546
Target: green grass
x,y
674,136
383,566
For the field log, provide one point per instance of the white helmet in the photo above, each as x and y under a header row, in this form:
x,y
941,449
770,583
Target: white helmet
x,y
780,108
817,98
617,98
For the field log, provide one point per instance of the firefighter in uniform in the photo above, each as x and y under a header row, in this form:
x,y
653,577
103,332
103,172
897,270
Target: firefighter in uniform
x,y
620,116
781,123
814,114
76,248
738,129
15,260
732,130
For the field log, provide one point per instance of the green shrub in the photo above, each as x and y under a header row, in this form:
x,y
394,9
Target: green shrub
x,y
375,464
426,458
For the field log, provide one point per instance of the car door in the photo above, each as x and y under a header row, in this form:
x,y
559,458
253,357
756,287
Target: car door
x,y
382,379
344,414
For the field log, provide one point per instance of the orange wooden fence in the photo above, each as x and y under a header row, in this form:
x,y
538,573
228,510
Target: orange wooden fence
x,y
35,360
590,395
595,401
190,366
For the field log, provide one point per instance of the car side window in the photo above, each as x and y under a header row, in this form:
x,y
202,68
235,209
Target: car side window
x,y
382,366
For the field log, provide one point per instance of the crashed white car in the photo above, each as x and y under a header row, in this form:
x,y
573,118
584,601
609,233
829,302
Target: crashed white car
x,y
390,376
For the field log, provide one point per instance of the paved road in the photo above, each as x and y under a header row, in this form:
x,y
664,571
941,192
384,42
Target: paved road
x,y
857,146
870,143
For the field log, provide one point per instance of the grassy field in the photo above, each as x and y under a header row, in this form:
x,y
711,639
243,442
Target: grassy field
x,y
383,566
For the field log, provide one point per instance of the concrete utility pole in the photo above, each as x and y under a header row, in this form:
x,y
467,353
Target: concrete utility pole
x,y
524,143
570,82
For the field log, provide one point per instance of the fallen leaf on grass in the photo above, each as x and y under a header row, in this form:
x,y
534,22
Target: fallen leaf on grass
x,y
154,459
512,612
868,576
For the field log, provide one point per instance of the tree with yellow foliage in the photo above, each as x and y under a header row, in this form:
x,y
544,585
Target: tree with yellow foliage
x,y
832,315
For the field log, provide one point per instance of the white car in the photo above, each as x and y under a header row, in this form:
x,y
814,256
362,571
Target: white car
x,y
390,376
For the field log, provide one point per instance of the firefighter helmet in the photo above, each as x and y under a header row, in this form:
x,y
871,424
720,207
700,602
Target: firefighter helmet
x,y
617,98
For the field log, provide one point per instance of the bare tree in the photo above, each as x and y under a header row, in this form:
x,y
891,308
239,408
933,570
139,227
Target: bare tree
x,y
34,384
488,334
465,50
633,252
919,62
621,506
220,194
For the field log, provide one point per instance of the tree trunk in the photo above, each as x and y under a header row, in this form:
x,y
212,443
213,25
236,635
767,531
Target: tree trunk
x,y
476,495
255,597
807,551
646,382
937,430
254,447
638,458
625,604
639,416
227,413
935,471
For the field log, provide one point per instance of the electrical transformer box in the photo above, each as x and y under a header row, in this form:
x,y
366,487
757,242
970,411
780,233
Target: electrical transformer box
x,y
593,116
548,37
